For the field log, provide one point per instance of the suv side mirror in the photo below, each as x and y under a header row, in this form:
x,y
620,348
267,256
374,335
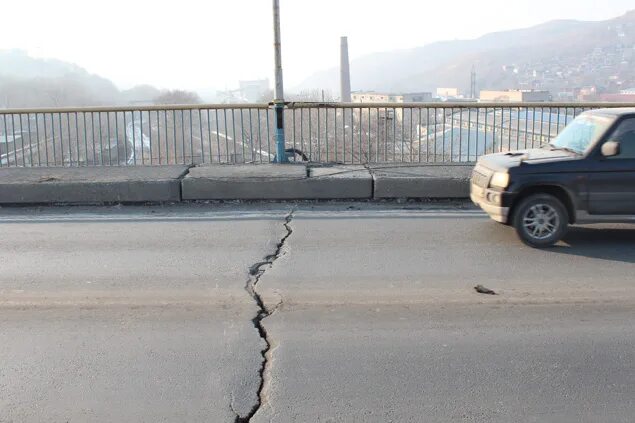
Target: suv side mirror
x,y
611,149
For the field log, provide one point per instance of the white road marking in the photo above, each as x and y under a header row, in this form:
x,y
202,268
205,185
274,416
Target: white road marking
x,y
234,215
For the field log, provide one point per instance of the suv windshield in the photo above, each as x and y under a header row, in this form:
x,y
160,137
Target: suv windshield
x,y
582,133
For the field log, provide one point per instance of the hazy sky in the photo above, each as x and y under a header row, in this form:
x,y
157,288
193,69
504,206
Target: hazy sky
x,y
213,43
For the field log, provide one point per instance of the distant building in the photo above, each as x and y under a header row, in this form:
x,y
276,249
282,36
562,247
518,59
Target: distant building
x,y
510,68
515,96
447,92
229,97
423,97
588,94
253,91
373,97
462,100
565,95
618,98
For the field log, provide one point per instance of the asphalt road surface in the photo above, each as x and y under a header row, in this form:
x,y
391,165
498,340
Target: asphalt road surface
x,y
328,313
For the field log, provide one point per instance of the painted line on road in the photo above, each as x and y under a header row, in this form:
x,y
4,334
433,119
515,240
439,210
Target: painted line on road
x,y
134,218
391,214
233,216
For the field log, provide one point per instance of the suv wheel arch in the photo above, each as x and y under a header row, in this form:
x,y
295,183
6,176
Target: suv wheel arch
x,y
557,191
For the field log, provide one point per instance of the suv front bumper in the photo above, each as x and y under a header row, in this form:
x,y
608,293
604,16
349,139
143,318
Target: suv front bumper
x,y
490,201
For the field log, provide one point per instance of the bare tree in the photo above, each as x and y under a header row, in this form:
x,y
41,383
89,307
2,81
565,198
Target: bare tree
x,y
178,97
313,96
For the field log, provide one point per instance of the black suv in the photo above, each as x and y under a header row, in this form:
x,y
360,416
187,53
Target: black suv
x,y
585,175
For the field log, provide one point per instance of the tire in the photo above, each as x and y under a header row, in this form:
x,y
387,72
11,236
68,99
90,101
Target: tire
x,y
541,220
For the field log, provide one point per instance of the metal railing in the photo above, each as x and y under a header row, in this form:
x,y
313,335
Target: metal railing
x,y
326,132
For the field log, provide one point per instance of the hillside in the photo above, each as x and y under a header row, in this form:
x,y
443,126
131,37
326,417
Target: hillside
x,y
543,50
26,81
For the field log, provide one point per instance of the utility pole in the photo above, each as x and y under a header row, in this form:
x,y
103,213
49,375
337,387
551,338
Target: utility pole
x,y
278,101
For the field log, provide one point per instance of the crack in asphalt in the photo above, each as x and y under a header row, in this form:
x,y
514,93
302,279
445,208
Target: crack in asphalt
x,y
255,273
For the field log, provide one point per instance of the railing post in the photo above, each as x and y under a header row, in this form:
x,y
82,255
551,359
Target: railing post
x,y
281,156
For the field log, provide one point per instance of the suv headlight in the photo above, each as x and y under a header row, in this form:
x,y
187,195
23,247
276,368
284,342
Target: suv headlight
x,y
500,180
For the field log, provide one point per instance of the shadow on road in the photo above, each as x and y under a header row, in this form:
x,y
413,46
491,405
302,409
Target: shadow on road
x,y
605,244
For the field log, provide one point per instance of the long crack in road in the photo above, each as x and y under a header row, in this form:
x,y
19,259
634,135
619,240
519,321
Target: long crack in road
x,y
255,273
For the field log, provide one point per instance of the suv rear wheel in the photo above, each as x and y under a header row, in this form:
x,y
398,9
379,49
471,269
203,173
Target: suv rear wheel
x,y
541,220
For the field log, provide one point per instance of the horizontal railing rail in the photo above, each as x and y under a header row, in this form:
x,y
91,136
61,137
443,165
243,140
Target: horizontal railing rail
x,y
462,104
350,133
146,108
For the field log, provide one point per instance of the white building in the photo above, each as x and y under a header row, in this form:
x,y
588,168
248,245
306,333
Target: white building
x,y
447,92
252,91
374,97
515,96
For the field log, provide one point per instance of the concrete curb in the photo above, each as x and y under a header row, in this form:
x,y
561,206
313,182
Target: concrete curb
x,y
91,185
160,184
415,181
352,182
274,182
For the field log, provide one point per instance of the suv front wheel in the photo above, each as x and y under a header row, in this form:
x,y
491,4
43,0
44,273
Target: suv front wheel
x,y
541,220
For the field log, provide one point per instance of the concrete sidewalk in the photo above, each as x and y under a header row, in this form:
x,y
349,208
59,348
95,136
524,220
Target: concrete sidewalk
x,y
102,185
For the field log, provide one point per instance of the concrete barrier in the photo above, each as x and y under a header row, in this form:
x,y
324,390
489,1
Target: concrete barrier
x,y
231,182
416,181
276,182
244,182
95,185
352,182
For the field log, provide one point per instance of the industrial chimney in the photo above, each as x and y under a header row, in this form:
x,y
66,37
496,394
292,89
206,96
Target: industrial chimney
x,y
345,73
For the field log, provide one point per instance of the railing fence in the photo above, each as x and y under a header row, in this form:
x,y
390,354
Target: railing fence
x,y
332,132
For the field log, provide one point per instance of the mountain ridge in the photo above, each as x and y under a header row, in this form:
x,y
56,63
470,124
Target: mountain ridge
x,y
27,81
421,68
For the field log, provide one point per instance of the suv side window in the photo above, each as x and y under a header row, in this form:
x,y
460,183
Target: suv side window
x,y
625,135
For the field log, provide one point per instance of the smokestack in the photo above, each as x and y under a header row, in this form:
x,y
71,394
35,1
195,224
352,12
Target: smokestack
x,y
345,72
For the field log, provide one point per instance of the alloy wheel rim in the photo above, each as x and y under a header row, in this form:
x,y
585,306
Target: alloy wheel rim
x,y
541,221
